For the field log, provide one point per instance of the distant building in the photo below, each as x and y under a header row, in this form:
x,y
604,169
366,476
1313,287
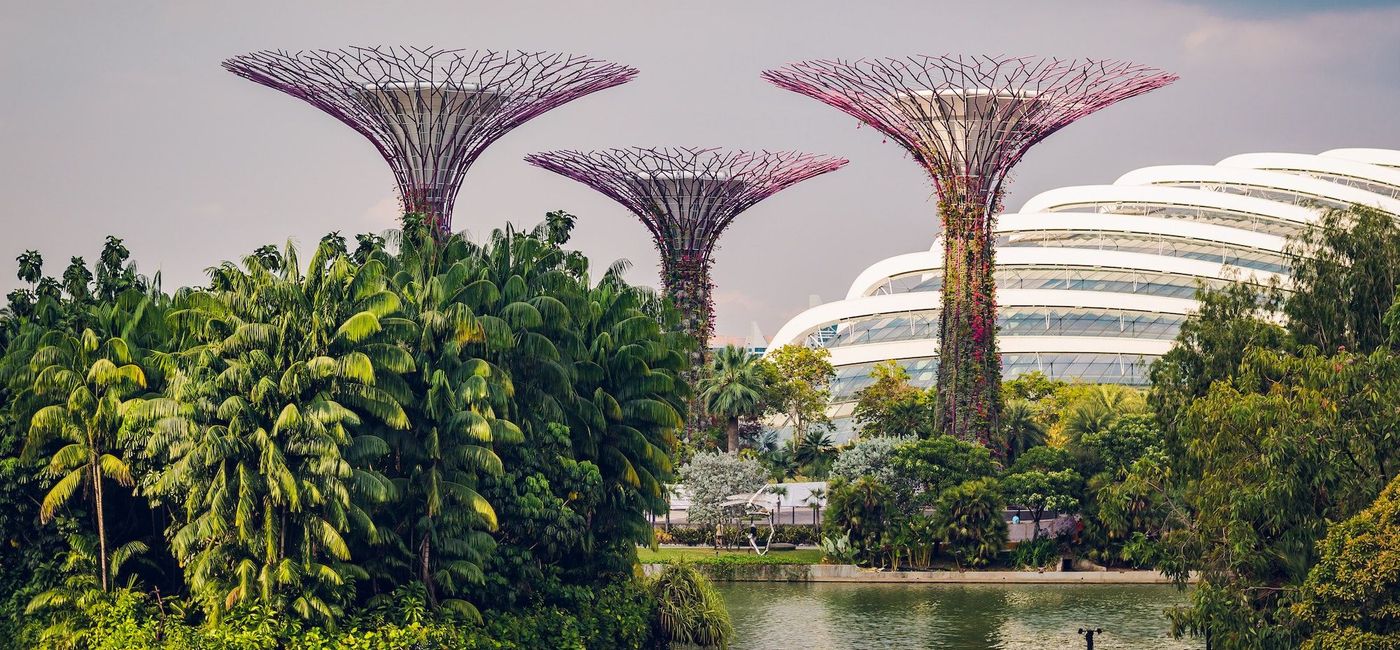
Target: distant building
x,y
1093,282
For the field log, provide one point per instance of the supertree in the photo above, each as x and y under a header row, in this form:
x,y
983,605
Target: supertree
x,y
968,120
429,111
686,198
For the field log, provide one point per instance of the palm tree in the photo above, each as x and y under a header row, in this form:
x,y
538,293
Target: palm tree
x,y
89,386
733,389
1020,429
456,399
1098,410
278,375
814,501
814,451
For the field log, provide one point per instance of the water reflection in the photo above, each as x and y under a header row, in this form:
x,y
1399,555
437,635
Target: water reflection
x,y
779,616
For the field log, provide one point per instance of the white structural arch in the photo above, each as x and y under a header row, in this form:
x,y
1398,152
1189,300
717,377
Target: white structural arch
x,y
1094,281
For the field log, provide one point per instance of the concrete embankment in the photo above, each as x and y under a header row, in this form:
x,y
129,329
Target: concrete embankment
x,y
850,573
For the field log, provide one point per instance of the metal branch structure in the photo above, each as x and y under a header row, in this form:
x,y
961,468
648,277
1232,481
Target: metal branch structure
x,y
968,120
687,198
429,111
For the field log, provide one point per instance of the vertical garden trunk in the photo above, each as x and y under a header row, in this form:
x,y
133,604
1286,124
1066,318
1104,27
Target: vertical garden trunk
x,y
687,279
969,367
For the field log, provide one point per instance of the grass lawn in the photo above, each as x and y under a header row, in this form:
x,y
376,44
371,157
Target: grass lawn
x,y
707,555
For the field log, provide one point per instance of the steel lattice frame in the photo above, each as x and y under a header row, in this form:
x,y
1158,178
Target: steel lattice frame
x,y
429,111
686,198
968,120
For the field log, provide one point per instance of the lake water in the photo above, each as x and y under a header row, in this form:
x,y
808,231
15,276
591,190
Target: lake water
x,y
813,616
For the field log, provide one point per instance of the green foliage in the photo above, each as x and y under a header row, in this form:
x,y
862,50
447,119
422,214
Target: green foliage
x,y
873,457
466,426
936,464
1021,429
1291,444
735,387
1043,458
690,611
866,511
1098,409
969,516
1351,598
891,406
800,378
1036,553
1039,490
1211,345
1345,271
1117,447
839,549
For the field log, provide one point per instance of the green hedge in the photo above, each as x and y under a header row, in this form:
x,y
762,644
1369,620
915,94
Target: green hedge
x,y
800,534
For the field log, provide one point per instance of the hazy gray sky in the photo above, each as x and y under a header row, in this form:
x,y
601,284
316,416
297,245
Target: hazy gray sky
x,y
115,118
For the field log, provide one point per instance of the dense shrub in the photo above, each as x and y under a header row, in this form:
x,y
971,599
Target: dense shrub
x,y
970,519
621,615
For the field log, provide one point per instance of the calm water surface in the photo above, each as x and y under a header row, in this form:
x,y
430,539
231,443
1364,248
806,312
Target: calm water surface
x,y
788,616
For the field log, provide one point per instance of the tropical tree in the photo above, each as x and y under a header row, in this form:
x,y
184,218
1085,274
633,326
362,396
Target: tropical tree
x,y
279,371
89,386
936,464
733,388
1345,270
969,518
891,406
1268,466
1020,428
1039,491
814,452
800,385
1098,409
1351,598
452,399
867,511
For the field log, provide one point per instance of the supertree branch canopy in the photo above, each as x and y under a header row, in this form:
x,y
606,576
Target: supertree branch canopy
x,y
968,120
430,112
686,198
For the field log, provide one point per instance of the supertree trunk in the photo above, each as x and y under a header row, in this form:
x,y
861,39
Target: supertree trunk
x,y
969,366
687,280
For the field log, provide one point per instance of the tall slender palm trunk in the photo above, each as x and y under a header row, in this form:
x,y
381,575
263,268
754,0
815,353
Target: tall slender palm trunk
x,y
425,552
731,431
101,521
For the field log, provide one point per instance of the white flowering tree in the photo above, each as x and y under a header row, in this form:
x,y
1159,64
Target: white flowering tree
x,y
711,477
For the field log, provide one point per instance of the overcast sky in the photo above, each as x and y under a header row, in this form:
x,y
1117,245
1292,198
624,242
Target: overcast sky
x,y
115,118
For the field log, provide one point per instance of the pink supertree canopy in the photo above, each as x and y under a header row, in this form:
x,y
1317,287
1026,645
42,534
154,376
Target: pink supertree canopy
x,y
968,120
686,197
968,117
430,111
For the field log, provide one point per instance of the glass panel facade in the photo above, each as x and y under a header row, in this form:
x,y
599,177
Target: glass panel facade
x,y
1216,216
1103,368
1011,321
1081,278
1275,194
1196,249
1375,187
